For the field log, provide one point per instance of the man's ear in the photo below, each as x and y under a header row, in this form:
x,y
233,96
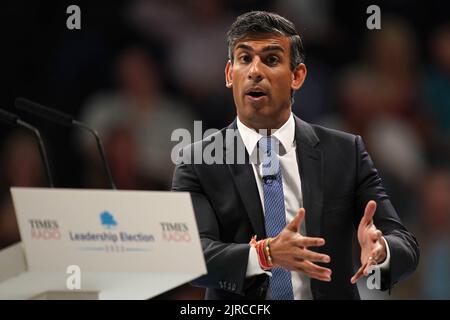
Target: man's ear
x,y
228,71
298,76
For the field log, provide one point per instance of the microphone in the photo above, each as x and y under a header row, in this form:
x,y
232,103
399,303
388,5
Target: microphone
x,y
65,120
13,120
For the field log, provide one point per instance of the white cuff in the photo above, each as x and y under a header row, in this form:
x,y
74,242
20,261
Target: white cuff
x,y
253,267
386,263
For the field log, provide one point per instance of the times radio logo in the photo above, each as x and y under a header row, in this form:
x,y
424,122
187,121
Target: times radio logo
x,y
175,231
44,229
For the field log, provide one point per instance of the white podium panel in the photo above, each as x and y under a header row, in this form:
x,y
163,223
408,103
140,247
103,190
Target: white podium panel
x,y
112,244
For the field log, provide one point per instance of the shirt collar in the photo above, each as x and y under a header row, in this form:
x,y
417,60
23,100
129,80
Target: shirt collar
x,y
285,134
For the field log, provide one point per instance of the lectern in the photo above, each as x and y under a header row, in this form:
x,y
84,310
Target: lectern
x,y
100,244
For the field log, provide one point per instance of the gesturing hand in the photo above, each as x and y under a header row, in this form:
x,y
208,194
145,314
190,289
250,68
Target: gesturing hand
x,y
373,246
289,250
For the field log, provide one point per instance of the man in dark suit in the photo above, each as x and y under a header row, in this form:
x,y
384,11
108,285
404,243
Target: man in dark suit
x,y
301,190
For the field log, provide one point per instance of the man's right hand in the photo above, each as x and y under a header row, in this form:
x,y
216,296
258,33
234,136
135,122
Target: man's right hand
x,y
289,250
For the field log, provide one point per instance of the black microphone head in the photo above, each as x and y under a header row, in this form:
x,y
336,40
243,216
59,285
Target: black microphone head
x,y
43,111
8,117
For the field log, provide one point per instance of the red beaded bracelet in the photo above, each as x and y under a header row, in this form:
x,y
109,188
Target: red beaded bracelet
x,y
263,250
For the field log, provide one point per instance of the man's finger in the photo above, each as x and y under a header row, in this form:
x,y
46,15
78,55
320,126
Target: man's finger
x,y
306,254
295,223
370,262
310,242
369,212
315,275
358,274
375,235
314,268
318,276
378,254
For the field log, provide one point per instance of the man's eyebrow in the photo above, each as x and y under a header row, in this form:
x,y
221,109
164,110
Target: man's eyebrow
x,y
272,47
244,47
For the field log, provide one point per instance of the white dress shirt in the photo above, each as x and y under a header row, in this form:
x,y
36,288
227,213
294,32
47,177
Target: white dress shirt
x,y
293,199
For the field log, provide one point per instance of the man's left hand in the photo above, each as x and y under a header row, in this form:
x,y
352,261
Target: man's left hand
x,y
373,245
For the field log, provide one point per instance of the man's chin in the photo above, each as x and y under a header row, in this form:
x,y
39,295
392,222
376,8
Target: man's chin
x,y
262,115
260,108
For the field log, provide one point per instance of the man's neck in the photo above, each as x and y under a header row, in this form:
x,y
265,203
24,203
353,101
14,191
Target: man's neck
x,y
269,125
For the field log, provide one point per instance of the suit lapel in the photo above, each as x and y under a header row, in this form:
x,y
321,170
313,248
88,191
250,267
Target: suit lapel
x,y
309,160
244,179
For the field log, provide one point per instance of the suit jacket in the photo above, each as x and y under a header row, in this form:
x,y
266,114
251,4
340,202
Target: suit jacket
x,y
338,178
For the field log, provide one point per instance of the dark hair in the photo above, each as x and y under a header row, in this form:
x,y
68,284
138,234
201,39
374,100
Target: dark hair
x,y
266,22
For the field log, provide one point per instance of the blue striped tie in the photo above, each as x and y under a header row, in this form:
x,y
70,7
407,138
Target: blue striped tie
x,y
280,284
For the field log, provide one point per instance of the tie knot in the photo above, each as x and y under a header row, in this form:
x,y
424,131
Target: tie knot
x,y
268,144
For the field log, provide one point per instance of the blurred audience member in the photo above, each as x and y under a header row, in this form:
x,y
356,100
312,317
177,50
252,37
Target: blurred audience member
x,y
145,117
365,109
392,54
313,17
435,238
21,167
194,32
437,80
358,95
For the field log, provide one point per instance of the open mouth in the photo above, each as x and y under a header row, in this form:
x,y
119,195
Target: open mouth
x,y
256,94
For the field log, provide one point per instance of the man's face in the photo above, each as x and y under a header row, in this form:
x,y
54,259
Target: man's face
x,y
262,79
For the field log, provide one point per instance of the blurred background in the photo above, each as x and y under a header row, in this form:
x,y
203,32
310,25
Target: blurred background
x,y
139,69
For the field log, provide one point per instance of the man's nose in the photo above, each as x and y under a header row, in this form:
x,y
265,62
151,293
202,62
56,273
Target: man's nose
x,y
255,72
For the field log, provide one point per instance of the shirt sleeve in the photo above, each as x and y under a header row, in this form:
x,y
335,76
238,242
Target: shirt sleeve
x,y
253,267
386,263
